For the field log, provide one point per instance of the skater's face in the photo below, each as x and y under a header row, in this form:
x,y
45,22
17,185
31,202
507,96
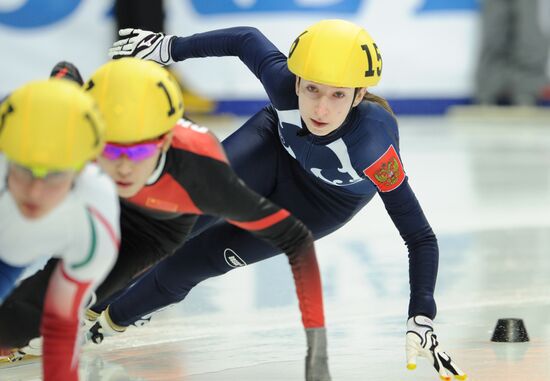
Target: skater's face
x,y
130,166
35,197
324,108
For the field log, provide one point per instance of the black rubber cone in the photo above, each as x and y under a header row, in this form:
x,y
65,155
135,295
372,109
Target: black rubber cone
x,y
510,331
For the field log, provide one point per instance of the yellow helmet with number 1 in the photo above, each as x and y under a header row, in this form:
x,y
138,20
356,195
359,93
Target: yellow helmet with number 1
x,y
336,53
50,125
139,99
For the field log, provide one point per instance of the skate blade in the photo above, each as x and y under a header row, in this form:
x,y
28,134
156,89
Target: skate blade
x,y
11,362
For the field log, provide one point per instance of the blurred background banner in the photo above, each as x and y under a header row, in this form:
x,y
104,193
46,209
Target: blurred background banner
x,y
223,7
429,47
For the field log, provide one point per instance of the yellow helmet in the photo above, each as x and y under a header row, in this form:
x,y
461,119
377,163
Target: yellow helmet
x,y
139,99
336,53
50,125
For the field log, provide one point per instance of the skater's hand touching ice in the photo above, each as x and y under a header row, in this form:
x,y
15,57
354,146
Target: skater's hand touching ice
x,y
422,341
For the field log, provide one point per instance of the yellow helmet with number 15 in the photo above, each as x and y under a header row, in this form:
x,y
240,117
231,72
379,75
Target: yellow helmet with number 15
x,y
336,53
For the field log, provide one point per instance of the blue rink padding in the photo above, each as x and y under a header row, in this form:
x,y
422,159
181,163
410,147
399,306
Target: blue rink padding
x,y
401,106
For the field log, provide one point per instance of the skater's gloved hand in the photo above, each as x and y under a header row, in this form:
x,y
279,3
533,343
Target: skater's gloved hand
x,y
143,44
317,358
422,341
103,327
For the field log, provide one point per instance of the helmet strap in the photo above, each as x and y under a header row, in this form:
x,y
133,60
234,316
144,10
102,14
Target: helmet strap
x,y
157,172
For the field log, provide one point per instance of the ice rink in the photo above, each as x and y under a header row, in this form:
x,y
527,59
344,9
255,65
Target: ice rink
x,y
484,184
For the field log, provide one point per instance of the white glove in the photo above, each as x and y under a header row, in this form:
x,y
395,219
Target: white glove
x,y
422,341
103,327
143,44
317,359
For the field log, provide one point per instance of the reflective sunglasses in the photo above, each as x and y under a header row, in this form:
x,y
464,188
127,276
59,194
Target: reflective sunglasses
x,y
134,152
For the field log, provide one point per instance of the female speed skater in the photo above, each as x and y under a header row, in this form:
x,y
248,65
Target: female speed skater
x,y
322,149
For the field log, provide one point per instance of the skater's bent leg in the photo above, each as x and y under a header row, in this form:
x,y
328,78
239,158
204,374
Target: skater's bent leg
x,y
213,253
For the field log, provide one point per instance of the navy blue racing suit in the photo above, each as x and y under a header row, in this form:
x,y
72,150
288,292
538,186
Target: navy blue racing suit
x,y
323,180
